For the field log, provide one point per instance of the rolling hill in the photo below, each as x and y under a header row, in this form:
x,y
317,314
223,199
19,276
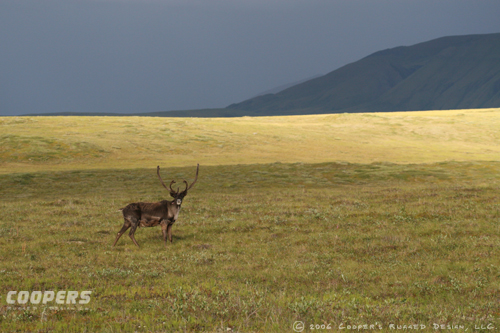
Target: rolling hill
x,y
138,142
458,72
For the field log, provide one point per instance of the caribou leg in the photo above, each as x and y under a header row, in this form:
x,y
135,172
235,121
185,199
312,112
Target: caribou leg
x,y
169,232
164,228
126,225
135,223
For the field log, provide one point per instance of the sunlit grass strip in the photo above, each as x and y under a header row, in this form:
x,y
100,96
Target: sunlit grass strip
x,y
63,143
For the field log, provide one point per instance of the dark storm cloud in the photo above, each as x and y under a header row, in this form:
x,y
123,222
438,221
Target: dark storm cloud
x,y
153,55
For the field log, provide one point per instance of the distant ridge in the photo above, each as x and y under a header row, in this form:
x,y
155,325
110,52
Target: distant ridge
x,y
224,112
458,72
285,86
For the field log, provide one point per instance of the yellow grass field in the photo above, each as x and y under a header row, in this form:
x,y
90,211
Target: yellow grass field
x,y
371,222
60,143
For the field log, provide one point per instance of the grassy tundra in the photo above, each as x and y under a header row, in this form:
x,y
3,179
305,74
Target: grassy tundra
x,y
344,231
29,144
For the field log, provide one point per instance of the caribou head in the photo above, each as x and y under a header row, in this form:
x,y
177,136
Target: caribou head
x,y
178,196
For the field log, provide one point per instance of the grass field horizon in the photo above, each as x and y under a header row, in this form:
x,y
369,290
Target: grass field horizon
x,y
334,221
141,142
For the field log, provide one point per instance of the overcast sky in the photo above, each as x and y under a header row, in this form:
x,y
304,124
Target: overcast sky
x,y
157,55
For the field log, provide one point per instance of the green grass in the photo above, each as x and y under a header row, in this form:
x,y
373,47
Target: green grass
x,y
348,219
258,247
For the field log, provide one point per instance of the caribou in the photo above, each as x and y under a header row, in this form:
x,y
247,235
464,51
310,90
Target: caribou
x,y
147,214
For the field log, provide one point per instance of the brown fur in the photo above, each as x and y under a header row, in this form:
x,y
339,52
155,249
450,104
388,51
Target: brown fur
x,y
147,214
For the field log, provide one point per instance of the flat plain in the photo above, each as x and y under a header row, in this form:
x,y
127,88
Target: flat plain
x,y
335,221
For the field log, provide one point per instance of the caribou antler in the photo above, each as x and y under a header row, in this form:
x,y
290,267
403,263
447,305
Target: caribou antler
x,y
195,179
172,191
161,180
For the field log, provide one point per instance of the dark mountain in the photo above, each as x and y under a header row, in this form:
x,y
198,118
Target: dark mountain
x,y
285,86
199,113
456,72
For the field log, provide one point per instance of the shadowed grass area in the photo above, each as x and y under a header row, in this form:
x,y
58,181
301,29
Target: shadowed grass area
x,y
258,247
